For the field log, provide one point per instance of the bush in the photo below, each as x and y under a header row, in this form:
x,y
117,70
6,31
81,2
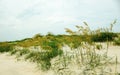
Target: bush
x,y
5,48
103,37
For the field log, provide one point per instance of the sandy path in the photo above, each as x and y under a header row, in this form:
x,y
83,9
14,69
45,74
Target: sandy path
x,y
10,66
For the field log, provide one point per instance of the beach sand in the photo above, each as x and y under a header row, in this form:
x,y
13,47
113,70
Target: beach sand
x,y
10,66
113,52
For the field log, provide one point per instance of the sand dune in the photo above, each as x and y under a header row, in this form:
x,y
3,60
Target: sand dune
x,y
10,66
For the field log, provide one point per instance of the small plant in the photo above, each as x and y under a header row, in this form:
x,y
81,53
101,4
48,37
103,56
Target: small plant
x,y
117,41
98,46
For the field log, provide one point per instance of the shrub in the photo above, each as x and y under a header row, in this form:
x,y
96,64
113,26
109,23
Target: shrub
x,y
6,48
103,37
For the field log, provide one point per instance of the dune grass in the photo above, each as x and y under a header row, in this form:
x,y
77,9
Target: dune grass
x,y
81,59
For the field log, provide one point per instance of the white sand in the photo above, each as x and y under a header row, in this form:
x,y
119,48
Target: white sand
x,y
113,51
10,66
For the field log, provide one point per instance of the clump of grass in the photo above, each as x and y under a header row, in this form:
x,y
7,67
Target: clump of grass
x,y
98,46
5,47
117,41
22,52
43,58
13,52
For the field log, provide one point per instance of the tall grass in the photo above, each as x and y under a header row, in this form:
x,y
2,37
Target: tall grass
x,y
84,60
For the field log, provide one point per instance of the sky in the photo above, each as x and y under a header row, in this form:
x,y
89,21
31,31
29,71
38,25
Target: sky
x,y
21,19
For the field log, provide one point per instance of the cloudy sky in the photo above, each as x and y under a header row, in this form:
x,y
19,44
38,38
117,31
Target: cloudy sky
x,y
24,18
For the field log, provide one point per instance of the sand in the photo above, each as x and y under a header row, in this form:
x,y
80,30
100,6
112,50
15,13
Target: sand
x,y
10,66
113,52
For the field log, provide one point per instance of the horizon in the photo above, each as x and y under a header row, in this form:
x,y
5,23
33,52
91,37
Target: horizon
x,y
25,18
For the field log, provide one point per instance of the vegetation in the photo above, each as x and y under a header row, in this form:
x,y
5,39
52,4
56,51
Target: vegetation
x,y
5,47
104,37
47,50
85,57
117,40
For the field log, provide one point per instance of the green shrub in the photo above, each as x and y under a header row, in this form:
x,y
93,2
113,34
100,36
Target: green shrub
x,y
5,48
103,37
